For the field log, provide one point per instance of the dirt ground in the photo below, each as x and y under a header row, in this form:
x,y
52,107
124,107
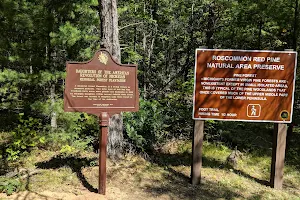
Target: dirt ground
x,y
133,178
162,177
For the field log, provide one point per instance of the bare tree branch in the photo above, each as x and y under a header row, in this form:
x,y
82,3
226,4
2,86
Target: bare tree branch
x,y
128,25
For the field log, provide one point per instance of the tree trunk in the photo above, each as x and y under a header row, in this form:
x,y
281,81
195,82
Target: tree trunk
x,y
210,26
116,52
295,35
144,66
144,61
135,31
53,113
110,40
189,46
260,26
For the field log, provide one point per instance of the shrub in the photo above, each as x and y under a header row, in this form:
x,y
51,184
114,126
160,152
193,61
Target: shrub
x,y
25,136
80,134
146,127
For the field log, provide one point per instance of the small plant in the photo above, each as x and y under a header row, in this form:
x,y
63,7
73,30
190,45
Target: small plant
x,y
66,149
93,163
9,186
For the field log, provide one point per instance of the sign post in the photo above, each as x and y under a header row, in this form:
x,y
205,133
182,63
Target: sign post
x,y
197,147
103,120
278,155
101,87
250,86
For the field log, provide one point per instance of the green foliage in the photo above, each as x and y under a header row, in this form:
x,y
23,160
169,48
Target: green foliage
x,y
131,56
146,127
9,186
38,37
68,142
11,85
247,136
137,139
66,149
68,35
77,132
24,137
177,109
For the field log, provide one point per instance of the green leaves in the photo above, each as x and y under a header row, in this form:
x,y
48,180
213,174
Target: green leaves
x,y
38,37
68,35
9,186
11,83
147,127
135,137
26,135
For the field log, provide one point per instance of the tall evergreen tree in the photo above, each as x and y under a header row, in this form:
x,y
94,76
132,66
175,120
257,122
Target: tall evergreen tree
x,y
110,40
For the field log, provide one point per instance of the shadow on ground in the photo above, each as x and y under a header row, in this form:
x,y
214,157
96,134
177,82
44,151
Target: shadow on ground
x,y
185,159
258,137
76,164
30,195
178,187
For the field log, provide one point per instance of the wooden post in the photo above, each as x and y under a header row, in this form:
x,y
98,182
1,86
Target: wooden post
x,y
103,122
278,155
197,145
197,151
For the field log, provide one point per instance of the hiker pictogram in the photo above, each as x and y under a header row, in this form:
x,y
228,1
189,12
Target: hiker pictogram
x,y
253,110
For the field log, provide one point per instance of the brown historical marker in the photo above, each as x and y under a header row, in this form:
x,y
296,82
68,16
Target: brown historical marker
x,y
101,87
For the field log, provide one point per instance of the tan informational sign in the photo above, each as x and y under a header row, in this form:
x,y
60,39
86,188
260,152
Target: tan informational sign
x,y
101,85
243,85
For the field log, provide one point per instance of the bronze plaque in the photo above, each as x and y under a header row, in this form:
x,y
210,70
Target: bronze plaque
x,y
101,85
240,85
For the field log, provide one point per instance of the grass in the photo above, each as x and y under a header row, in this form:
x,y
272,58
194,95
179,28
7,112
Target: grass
x,y
165,175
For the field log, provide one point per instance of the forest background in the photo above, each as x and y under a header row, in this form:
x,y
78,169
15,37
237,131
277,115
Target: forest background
x,y
37,37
